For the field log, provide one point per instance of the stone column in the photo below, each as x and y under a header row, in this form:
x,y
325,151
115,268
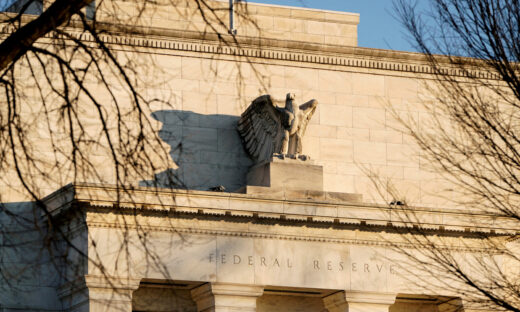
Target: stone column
x,y
218,297
99,294
451,305
354,301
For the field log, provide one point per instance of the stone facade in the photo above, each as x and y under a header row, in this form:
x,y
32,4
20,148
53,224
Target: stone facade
x,y
326,244
227,252
210,84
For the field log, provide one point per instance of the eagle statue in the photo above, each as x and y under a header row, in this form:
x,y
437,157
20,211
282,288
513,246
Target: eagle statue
x,y
268,130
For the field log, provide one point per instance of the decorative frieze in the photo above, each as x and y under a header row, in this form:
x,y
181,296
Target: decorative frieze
x,y
249,48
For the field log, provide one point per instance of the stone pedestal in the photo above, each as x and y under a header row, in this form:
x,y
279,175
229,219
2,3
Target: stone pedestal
x,y
287,174
216,297
292,179
359,302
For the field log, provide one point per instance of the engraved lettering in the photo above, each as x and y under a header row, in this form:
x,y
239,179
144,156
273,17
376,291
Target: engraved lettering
x,y
271,262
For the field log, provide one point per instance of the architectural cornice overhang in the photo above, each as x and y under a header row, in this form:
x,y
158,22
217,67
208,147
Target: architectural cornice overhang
x,y
140,37
281,207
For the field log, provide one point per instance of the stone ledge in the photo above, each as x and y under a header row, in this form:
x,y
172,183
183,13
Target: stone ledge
x,y
251,47
287,194
269,207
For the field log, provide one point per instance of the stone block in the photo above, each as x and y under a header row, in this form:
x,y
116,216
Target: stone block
x,y
265,23
349,169
370,153
336,150
307,37
345,133
191,68
271,10
229,105
402,154
287,174
336,115
198,102
338,40
323,97
369,118
373,189
343,17
322,131
272,75
199,139
307,14
339,183
335,81
337,29
288,24
400,87
337,197
365,84
311,146
303,79
343,197
220,88
314,27
386,136
329,166
257,204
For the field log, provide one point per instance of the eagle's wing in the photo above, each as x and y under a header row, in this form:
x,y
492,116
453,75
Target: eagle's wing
x,y
307,110
261,129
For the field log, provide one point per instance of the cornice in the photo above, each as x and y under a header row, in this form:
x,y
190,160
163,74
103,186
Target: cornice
x,y
162,39
293,211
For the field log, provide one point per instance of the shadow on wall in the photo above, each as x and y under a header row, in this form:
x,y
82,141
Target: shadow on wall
x,y
30,271
206,148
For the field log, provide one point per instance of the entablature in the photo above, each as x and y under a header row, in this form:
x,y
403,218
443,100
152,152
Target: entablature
x,y
294,207
253,48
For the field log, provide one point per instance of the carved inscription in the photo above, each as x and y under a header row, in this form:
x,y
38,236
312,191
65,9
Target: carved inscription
x,y
272,262
316,264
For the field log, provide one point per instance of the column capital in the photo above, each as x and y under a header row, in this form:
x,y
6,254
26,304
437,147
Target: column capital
x,y
370,297
336,302
112,282
358,301
226,297
99,293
